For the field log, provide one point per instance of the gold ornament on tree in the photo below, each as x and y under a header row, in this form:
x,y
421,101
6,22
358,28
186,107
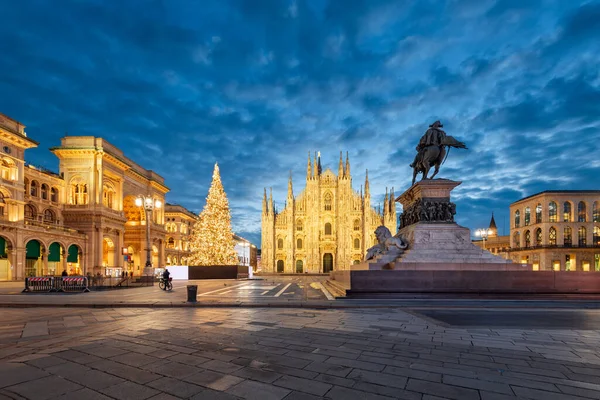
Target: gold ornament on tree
x,y
211,241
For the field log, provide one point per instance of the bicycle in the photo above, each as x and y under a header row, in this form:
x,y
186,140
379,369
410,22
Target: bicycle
x,y
165,285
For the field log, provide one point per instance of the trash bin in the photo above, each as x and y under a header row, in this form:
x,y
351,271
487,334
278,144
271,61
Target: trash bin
x,y
192,291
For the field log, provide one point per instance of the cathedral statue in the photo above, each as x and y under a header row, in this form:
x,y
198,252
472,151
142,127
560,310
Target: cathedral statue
x,y
431,150
388,246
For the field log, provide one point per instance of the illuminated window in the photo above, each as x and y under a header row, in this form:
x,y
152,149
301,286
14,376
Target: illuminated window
x,y
357,243
527,238
552,236
108,195
328,201
581,212
596,236
527,216
568,236
567,212
357,225
538,214
517,219
582,232
78,193
170,243
596,212
538,237
552,216
184,228
299,243
328,228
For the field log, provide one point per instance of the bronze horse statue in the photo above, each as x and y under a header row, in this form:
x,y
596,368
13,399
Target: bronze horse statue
x,y
434,156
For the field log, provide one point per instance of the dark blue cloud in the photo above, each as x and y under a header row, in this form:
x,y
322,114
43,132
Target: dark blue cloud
x,y
254,85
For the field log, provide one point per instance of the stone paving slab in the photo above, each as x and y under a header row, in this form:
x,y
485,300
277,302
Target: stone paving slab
x,y
207,353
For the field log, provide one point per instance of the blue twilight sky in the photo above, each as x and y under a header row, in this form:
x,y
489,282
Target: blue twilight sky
x,y
256,84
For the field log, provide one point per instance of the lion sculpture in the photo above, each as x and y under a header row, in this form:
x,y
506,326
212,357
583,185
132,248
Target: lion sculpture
x,y
388,245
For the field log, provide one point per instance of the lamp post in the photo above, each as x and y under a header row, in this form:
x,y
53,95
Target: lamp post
x,y
483,233
149,205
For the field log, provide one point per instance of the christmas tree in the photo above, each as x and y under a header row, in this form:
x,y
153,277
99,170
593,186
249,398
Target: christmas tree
x,y
211,242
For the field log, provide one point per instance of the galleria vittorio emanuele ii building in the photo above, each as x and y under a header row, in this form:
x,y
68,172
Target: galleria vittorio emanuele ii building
x,y
328,226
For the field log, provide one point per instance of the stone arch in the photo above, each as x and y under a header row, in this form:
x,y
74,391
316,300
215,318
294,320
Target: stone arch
x,y
280,266
49,216
328,201
4,194
78,191
582,211
567,211
74,259
299,266
6,247
34,248
55,257
34,188
30,211
54,194
109,194
108,252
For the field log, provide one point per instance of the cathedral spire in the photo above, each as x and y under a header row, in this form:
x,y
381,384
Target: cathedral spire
x,y
319,169
347,172
290,188
265,208
341,168
308,169
271,205
386,202
315,169
392,202
367,192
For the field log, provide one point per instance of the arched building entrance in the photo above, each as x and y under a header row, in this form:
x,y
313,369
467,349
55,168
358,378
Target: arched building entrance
x,y
280,266
33,259
74,260
299,266
327,263
4,260
55,259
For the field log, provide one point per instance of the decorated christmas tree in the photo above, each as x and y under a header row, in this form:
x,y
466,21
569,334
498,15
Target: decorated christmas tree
x,y
211,242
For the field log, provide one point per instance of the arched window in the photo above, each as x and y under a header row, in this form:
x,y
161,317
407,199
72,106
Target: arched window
x,y
184,228
299,225
357,224
49,216
279,265
78,192
552,236
596,212
54,195
517,219
596,236
29,212
527,238
8,170
328,228
44,191
568,236
517,239
170,243
581,212
328,201
108,195
357,243
538,237
299,243
582,234
567,212
527,216
33,190
552,211
538,214
280,244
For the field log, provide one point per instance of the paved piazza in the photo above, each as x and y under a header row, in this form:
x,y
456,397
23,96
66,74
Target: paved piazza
x,y
292,354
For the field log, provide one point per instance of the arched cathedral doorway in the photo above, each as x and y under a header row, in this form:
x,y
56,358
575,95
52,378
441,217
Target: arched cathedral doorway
x,y
327,263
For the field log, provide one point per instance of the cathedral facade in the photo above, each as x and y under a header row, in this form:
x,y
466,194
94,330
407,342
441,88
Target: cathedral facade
x,y
328,226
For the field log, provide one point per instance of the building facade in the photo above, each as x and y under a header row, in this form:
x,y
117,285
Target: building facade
x,y
328,226
557,230
179,222
246,252
82,220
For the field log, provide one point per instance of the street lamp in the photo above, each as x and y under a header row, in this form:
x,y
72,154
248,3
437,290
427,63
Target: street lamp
x,y
149,205
483,233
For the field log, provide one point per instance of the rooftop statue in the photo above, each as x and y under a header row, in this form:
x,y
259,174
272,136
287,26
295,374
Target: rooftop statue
x,y
431,150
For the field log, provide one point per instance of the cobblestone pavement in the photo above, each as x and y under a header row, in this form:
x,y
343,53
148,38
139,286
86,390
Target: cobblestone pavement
x,y
292,354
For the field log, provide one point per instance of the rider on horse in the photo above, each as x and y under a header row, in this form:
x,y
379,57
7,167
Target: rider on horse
x,y
433,137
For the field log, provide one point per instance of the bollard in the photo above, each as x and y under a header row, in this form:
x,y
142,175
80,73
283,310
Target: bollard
x,y
192,292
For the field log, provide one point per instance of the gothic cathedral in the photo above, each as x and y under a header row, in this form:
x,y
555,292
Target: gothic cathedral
x,y
327,227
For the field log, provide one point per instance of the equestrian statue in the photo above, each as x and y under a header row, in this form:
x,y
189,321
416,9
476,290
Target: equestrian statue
x,y
431,150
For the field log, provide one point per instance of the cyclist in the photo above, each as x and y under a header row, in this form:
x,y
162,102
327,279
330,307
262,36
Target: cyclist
x,y
165,276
